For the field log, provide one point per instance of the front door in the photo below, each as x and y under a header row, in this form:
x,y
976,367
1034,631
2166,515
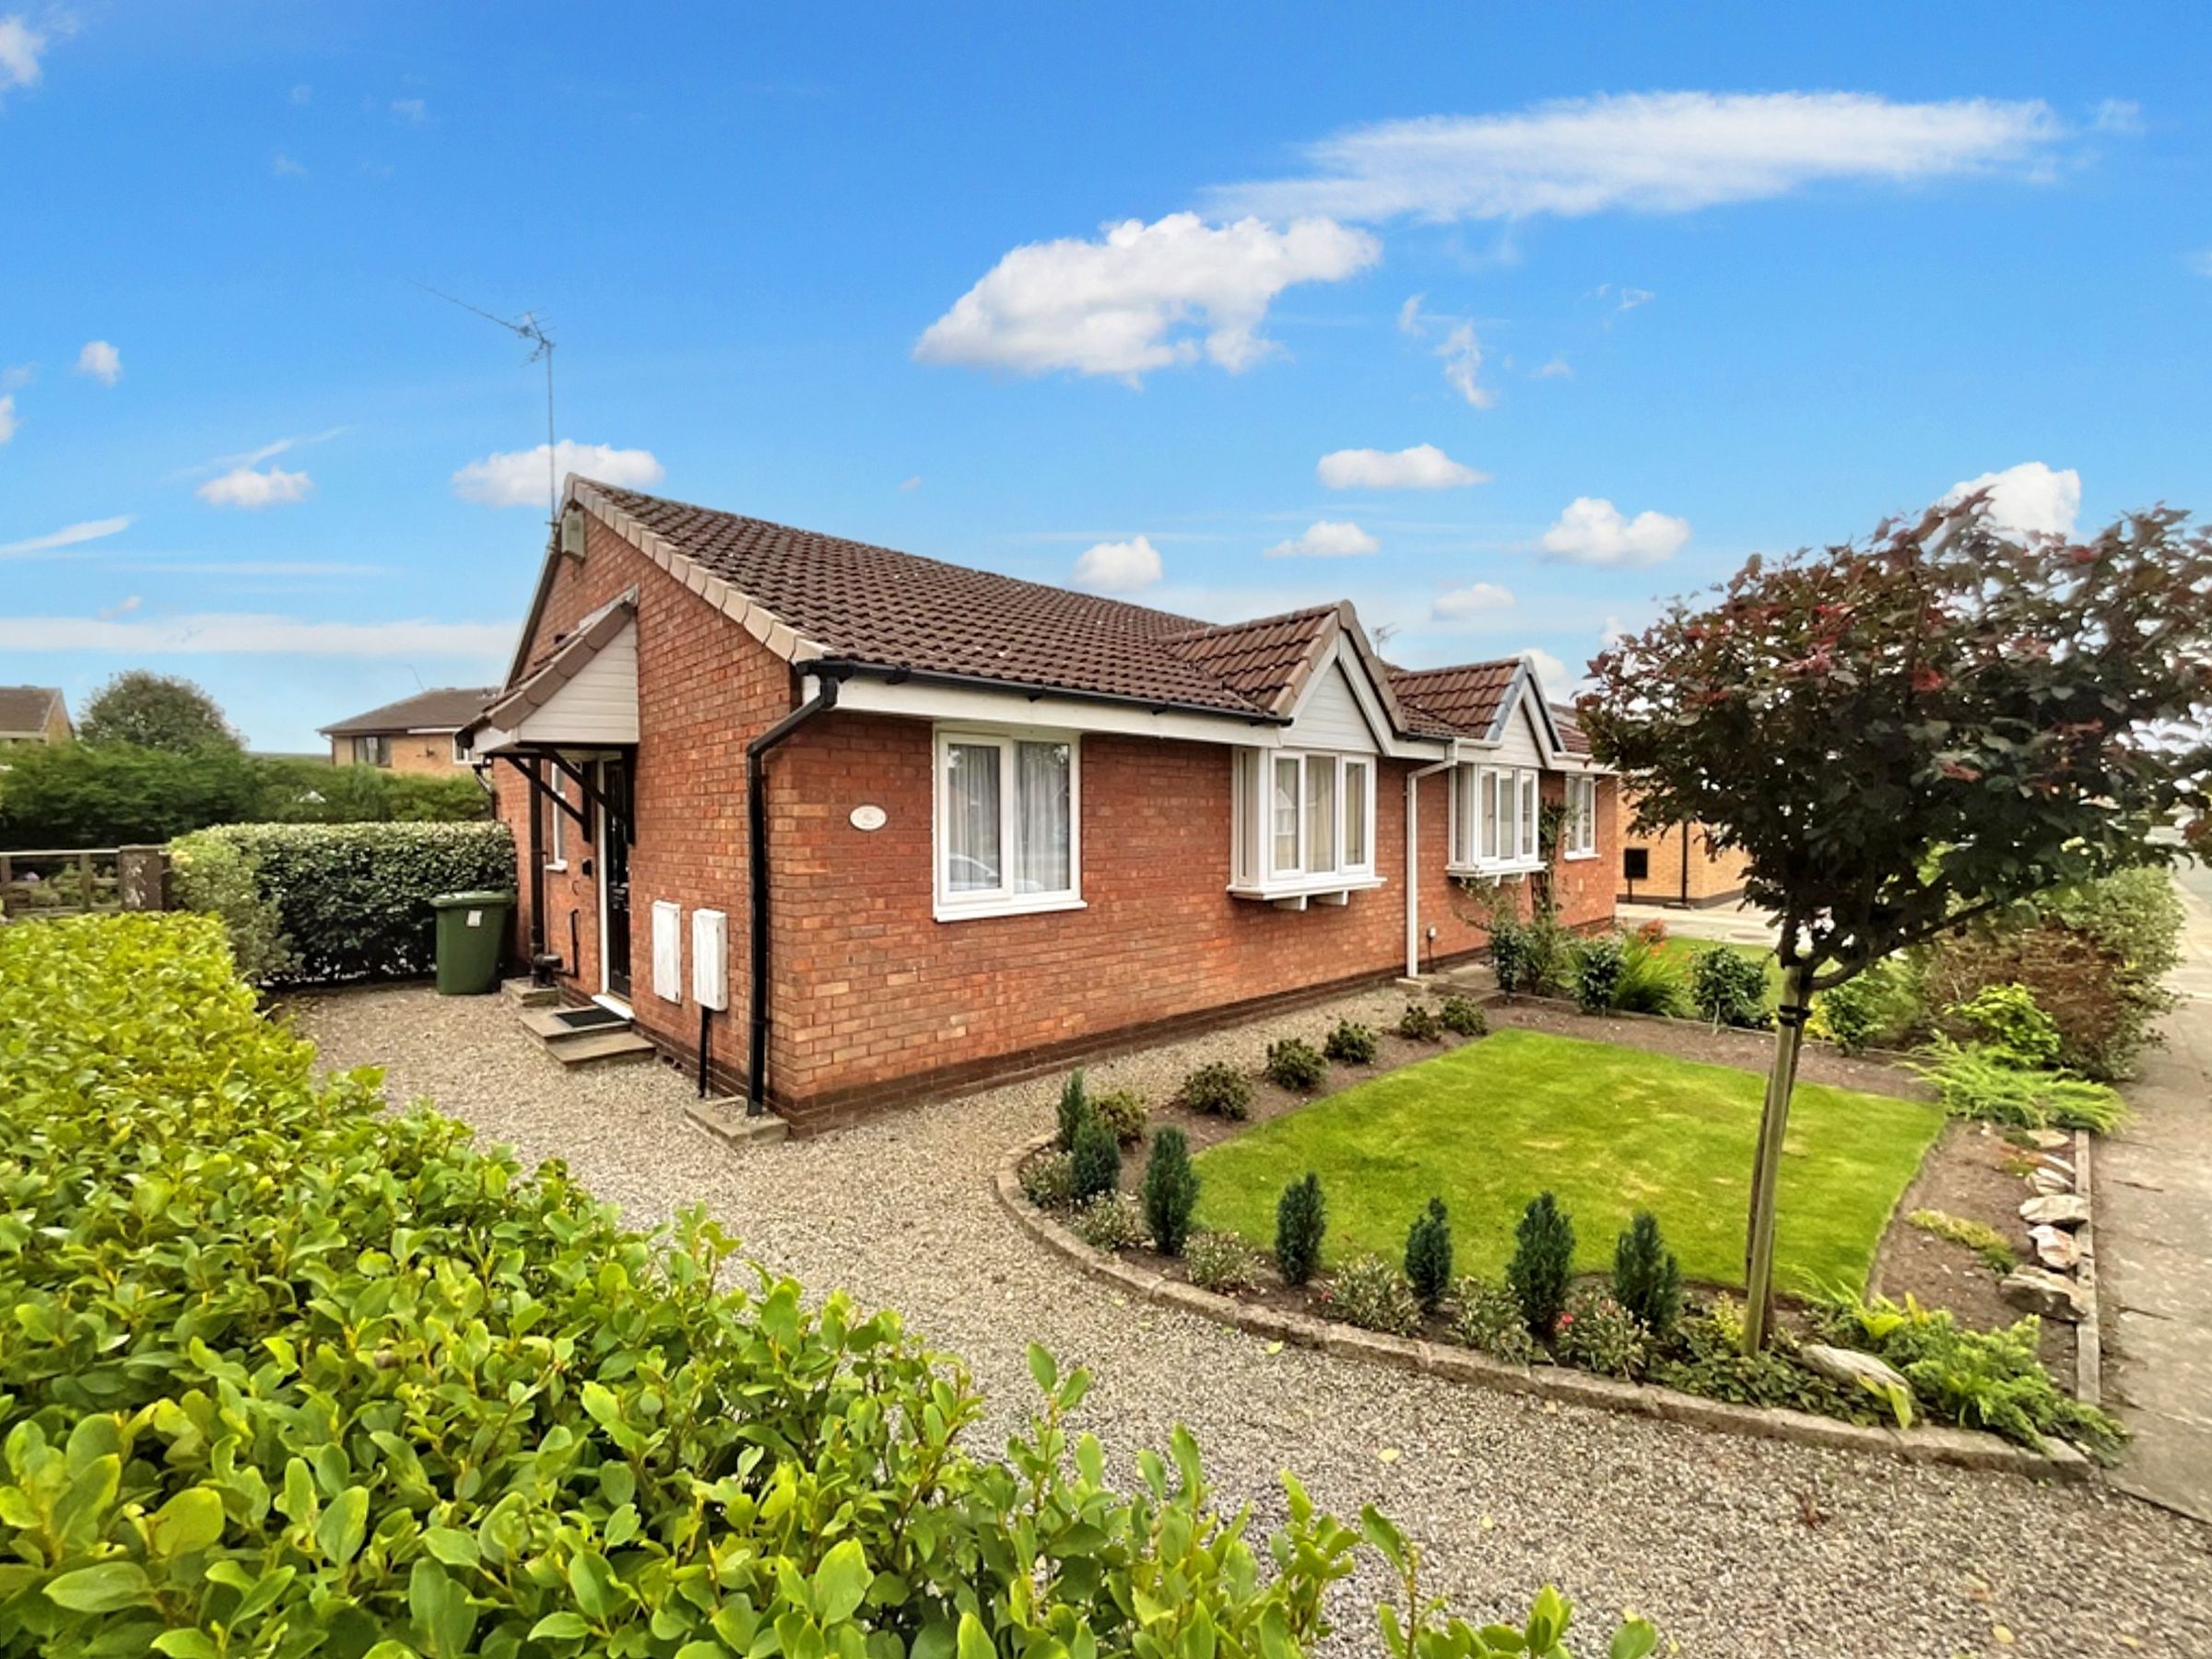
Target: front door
x,y
614,860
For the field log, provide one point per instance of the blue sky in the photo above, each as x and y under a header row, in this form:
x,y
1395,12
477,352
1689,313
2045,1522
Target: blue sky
x,y
1612,301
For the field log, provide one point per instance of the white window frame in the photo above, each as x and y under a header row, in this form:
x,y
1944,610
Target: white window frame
x,y
460,754
1517,794
556,840
1002,900
1579,838
1254,870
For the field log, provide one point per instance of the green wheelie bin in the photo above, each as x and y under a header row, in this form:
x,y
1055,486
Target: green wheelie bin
x,y
472,936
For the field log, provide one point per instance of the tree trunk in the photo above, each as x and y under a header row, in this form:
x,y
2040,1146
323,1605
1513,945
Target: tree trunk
x,y
1766,1170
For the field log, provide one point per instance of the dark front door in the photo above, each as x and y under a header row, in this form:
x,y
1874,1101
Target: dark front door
x,y
614,859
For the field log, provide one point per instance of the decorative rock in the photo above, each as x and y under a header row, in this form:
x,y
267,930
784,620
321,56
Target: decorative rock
x,y
1850,1367
2050,1140
2056,1209
2038,1290
2051,1160
2050,1180
2055,1247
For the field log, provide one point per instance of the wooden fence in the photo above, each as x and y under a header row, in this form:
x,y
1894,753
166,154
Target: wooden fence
x,y
76,881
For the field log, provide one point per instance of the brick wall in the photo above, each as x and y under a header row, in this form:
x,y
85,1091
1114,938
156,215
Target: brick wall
x,y
1710,877
872,997
425,754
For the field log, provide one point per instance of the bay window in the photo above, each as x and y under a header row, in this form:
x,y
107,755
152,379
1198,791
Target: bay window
x,y
1494,821
1579,838
1007,824
1302,823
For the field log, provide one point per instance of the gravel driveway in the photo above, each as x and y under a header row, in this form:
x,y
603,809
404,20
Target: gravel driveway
x,y
1734,1547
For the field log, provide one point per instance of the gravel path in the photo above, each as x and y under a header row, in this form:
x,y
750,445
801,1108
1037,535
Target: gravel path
x,y
1734,1547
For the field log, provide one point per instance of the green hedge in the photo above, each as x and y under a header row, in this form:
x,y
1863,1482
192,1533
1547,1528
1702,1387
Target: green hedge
x,y
322,903
285,1374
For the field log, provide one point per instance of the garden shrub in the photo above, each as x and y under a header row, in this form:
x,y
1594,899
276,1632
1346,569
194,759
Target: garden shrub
x,y
1350,1044
215,875
1296,1063
1650,982
2095,957
1301,1217
1991,1379
1124,1111
1543,1263
1994,1248
1707,1358
1463,1016
1880,1007
1111,1221
1072,1109
2011,1024
1647,1279
1049,1182
1217,1089
1728,987
1418,1023
1510,955
1599,1334
1096,1162
1170,1191
1369,1292
1429,1255
1220,1262
1488,1317
1598,965
1976,1082
348,901
286,1373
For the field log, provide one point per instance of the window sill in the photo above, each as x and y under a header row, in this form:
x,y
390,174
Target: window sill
x,y
1329,890
1580,857
1020,906
556,866
1494,872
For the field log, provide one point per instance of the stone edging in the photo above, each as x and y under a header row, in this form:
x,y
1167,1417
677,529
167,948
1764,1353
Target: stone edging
x,y
1962,1447
2089,1334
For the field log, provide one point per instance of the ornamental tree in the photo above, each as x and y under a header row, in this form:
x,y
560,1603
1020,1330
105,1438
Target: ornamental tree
x,y
1902,735
155,712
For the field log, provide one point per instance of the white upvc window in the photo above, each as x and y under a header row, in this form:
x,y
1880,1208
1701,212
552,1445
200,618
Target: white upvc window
x,y
1008,823
1302,823
557,832
1579,838
1494,821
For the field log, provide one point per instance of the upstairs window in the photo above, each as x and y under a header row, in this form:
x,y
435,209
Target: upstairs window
x,y
1302,821
1007,824
1494,819
1579,837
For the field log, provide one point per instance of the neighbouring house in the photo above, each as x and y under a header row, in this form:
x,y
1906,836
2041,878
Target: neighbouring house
x,y
34,715
868,826
414,735
1676,864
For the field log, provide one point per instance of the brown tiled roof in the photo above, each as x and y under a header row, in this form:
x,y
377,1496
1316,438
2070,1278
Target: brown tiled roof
x,y
440,709
24,709
1262,660
1572,738
1462,700
871,605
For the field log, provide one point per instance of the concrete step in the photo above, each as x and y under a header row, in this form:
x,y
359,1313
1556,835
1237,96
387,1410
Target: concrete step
x,y
556,1026
602,1047
526,993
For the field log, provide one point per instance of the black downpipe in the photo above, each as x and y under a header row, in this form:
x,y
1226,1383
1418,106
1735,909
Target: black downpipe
x,y
756,813
537,873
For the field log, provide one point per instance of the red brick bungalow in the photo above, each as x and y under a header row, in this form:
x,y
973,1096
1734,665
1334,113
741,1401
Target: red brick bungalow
x,y
1003,825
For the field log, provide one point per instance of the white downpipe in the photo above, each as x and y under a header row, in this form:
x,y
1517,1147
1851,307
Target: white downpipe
x,y
1413,856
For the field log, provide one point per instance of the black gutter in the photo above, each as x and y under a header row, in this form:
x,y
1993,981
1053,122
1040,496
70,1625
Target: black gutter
x,y
756,813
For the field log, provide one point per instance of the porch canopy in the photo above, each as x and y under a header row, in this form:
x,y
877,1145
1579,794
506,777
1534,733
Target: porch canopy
x,y
581,701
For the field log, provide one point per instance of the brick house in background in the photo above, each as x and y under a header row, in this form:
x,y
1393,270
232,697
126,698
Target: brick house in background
x,y
414,735
34,715
1003,825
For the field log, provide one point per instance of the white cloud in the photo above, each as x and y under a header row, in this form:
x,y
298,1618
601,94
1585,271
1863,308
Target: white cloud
x,y
1593,531
1477,599
2027,499
1142,297
223,633
1327,539
1424,466
1552,678
2121,116
242,486
304,93
1118,567
1661,152
517,478
15,377
1409,314
1630,298
69,535
102,361
1463,366
412,111
251,567
2201,263
8,418
284,167
122,607
912,483
19,48
1558,369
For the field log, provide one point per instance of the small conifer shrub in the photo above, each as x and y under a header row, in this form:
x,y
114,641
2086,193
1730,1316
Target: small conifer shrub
x,y
1301,1217
1096,1163
1420,1024
1429,1255
1170,1191
1647,1279
1543,1263
1296,1063
1074,1107
1351,1042
1219,1090
1463,1016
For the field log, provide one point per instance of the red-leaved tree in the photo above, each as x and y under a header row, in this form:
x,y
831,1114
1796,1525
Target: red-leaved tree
x,y
1901,735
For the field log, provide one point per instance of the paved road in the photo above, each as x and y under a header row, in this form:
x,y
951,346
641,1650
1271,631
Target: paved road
x,y
2154,1242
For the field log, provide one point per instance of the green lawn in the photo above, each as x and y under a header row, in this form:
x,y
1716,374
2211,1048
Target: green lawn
x,y
1608,1130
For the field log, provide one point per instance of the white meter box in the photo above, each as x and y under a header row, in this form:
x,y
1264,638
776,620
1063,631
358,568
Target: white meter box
x,y
709,958
668,951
